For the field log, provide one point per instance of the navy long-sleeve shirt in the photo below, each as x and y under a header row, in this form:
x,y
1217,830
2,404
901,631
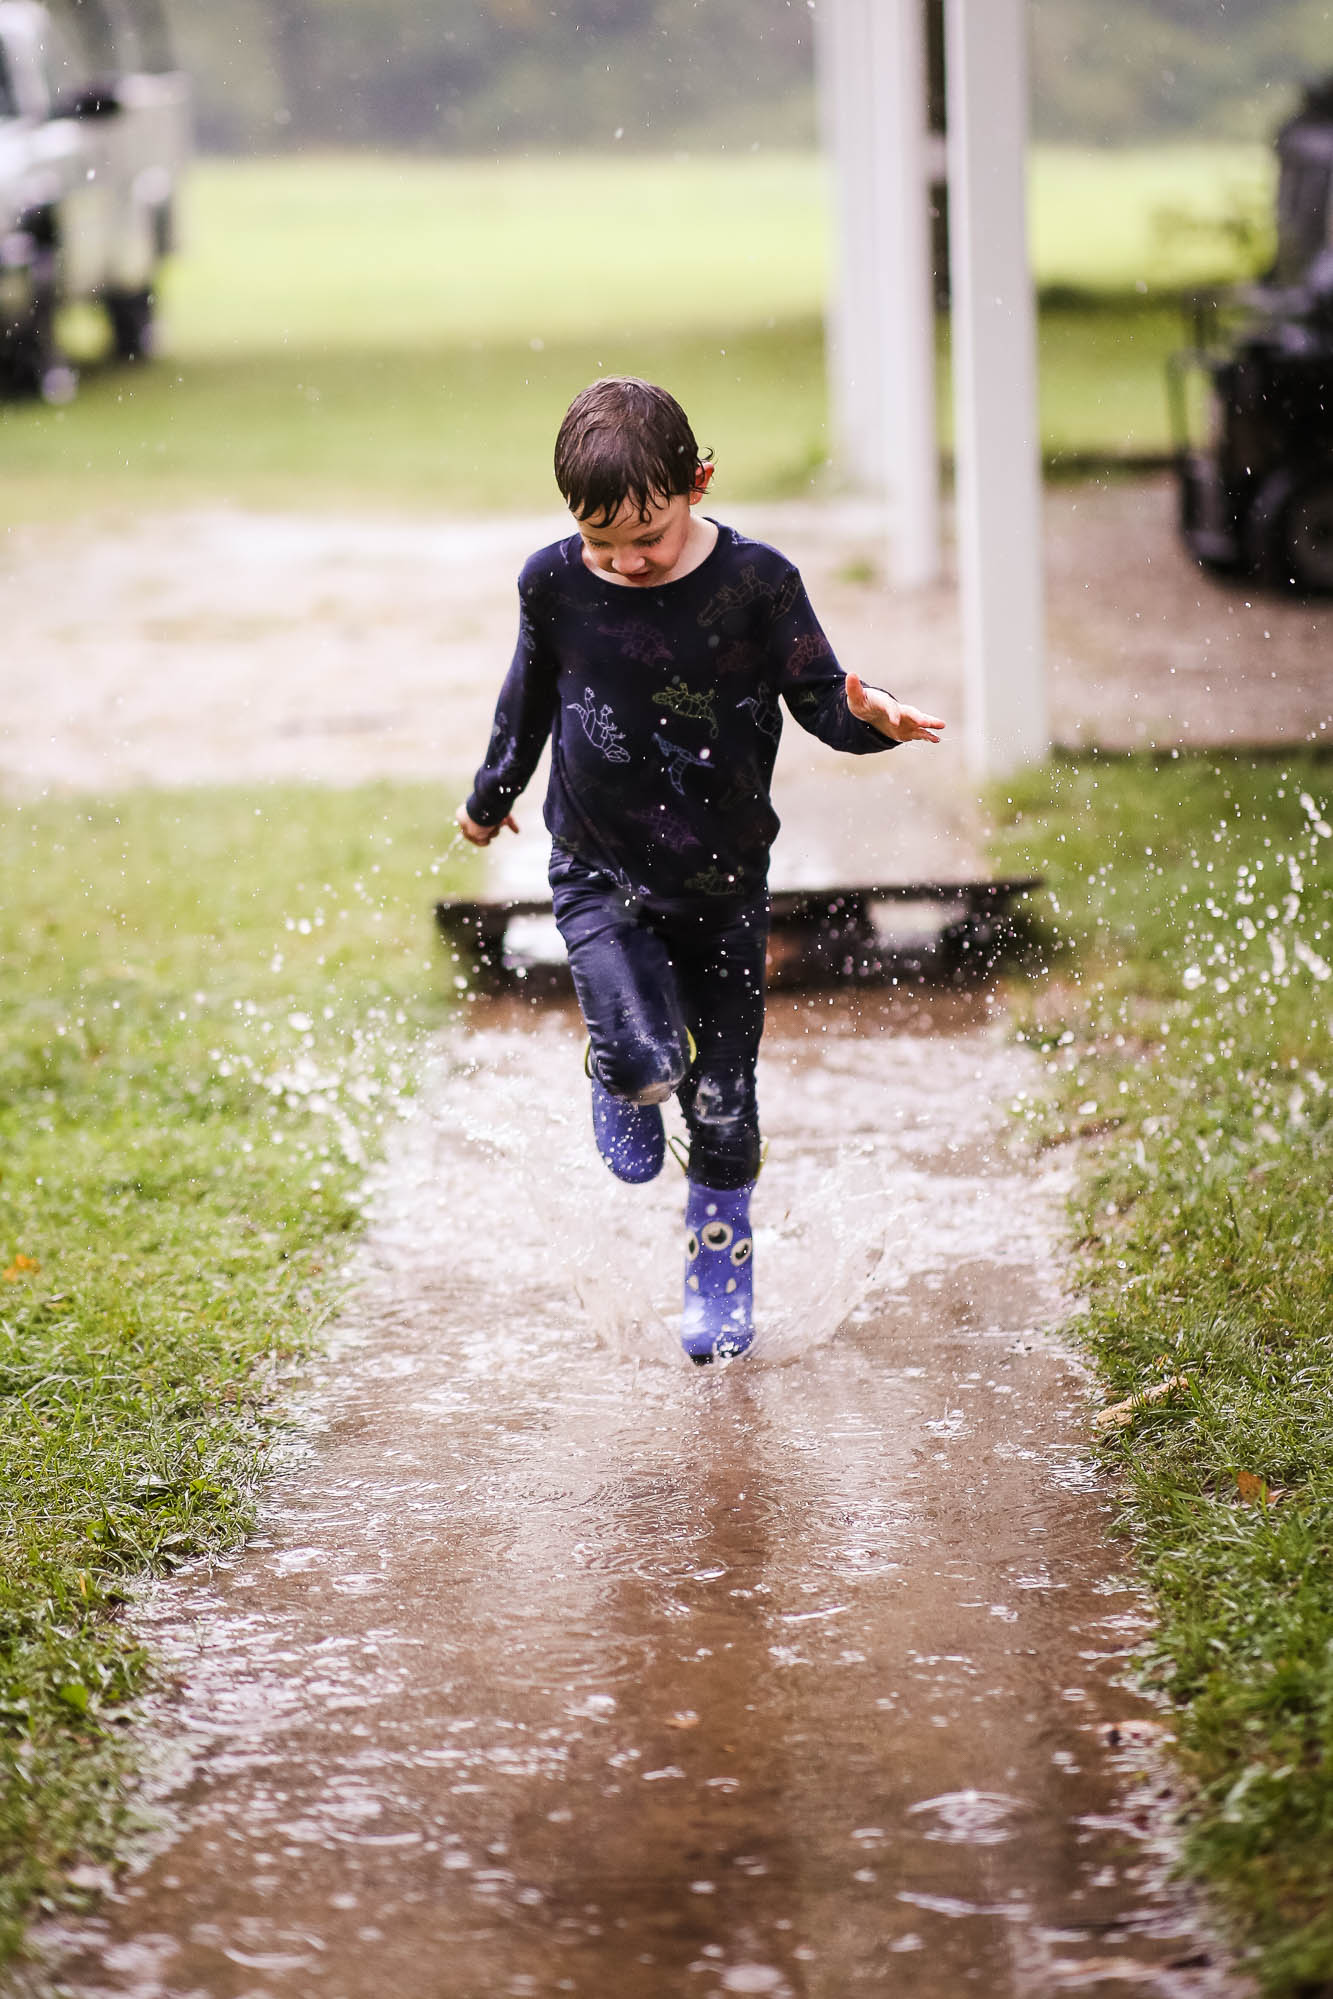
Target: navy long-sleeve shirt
x,y
662,709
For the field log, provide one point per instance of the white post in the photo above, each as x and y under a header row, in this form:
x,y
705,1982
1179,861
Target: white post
x,y
881,319
847,107
901,254
997,441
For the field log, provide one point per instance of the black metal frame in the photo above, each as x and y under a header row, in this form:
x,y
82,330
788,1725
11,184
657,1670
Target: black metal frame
x,y
1271,392
1257,494
825,937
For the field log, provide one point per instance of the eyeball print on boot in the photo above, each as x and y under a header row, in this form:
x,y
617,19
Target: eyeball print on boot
x,y
717,1322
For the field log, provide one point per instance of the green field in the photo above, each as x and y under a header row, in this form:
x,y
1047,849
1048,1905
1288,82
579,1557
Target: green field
x,y
405,333
365,253
1157,217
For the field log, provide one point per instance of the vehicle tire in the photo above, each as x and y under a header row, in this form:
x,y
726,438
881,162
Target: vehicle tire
x,y
132,324
1306,530
30,358
1290,532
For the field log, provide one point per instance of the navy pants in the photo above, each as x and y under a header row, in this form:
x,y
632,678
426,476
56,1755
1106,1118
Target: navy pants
x,y
647,980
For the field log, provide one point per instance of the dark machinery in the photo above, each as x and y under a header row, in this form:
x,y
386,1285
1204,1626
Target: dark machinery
x,y
821,937
1254,450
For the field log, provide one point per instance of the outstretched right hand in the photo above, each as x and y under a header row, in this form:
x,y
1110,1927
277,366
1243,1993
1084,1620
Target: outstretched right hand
x,y
481,836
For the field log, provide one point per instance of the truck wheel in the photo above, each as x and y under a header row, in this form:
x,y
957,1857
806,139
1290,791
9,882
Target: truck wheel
x,y
131,316
30,361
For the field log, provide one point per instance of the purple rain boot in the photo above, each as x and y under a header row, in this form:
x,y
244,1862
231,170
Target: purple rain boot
x,y
717,1320
630,1137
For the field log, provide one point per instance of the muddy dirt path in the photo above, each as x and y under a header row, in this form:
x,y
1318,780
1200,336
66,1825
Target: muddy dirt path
x,y
561,1667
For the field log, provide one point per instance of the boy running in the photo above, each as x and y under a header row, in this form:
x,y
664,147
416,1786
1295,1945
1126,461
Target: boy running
x,y
653,647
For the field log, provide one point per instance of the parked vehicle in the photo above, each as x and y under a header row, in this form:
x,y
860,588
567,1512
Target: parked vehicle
x,y
94,133
1254,451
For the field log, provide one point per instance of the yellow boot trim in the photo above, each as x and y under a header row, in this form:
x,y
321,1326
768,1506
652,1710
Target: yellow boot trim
x,y
680,1152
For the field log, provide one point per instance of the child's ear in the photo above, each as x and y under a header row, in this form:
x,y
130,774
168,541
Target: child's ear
x,y
703,479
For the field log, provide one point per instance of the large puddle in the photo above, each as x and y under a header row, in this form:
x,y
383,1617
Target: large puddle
x,y
563,1667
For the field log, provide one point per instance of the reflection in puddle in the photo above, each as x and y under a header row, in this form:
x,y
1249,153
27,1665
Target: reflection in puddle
x,y
970,1818
561,1666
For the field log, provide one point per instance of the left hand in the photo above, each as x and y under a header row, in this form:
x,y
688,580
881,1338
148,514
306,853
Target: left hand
x,y
481,836
893,719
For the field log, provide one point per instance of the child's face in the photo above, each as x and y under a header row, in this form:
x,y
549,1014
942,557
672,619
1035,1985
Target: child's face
x,y
644,552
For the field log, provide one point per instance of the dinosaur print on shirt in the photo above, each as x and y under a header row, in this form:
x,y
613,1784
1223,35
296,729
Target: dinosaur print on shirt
x,y
807,649
665,825
599,726
638,642
763,708
677,762
689,704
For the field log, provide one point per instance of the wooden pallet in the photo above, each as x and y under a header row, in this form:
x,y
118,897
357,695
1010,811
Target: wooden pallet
x,y
819,937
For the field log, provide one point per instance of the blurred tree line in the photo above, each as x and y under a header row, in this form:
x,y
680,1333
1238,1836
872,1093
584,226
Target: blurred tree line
x,y
493,75
1109,71
496,75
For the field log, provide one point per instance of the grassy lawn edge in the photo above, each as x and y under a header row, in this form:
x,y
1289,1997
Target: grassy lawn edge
x,y
1185,1016
210,1007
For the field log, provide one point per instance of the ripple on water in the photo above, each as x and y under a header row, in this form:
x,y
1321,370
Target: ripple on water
x,y
563,1656
970,1818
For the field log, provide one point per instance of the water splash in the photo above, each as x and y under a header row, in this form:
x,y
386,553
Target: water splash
x,y
522,1100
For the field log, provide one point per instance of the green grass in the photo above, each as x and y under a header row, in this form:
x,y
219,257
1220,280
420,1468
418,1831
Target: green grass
x,y
1101,385
461,431
451,430
366,252
391,333
208,1007
1162,217
1187,1022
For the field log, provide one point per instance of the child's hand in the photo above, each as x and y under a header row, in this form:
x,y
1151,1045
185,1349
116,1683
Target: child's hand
x,y
893,719
481,836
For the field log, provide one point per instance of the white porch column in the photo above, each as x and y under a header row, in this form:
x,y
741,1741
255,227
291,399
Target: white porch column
x,y
881,318
901,254
997,440
847,115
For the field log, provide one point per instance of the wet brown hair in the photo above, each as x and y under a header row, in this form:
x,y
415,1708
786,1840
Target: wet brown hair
x,y
622,441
